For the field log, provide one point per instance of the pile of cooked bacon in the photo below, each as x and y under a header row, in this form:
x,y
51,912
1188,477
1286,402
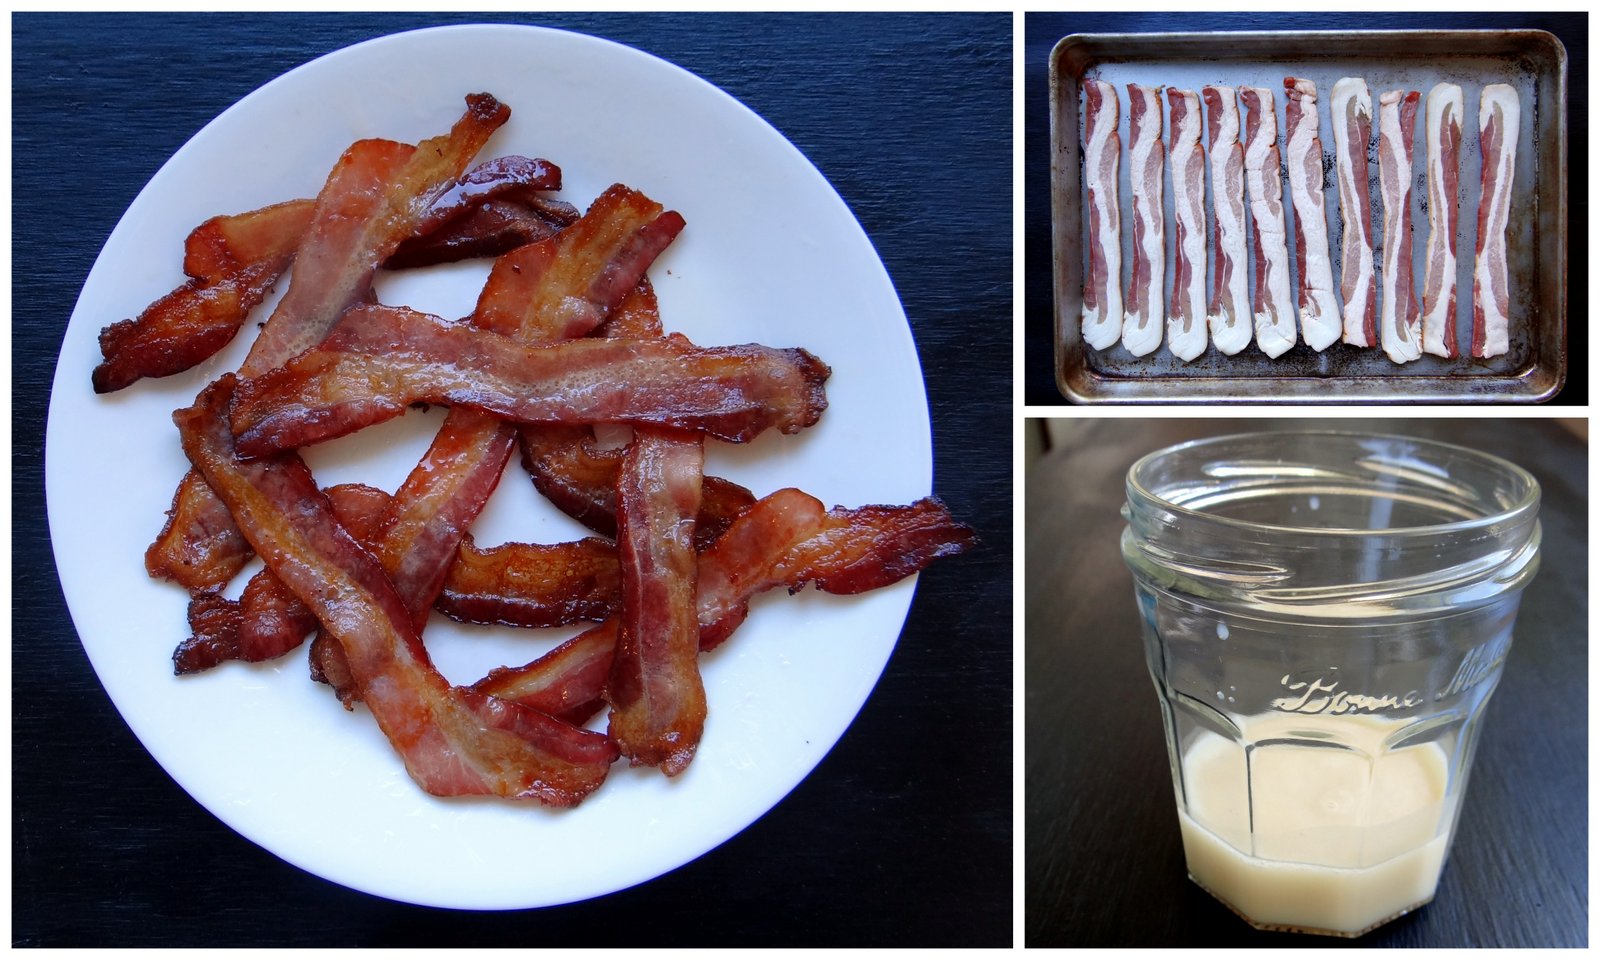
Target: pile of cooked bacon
x,y
565,335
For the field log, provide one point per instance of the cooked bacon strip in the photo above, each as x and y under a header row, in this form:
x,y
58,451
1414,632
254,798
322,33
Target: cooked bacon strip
x,y
379,360
1228,309
1102,154
1499,121
1352,131
454,741
1186,324
495,227
1320,324
371,201
1142,327
1445,109
786,539
658,703
532,585
1401,327
1273,308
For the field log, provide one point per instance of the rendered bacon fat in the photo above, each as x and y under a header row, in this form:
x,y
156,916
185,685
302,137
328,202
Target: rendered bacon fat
x,y
1228,310
658,703
1102,157
371,201
454,741
1272,306
1186,324
379,360
785,539
1320,324
1499,121
1142,326
1400,327
1445,109
1352,131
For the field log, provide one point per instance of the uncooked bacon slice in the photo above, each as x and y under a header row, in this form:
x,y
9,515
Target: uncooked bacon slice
x,y
1400,327
1445,109
1142,326
379,360
1320,324
1352,130
1499,121
1186,323
1228,310
1271,303
658,703
786,539
454,741
1102,156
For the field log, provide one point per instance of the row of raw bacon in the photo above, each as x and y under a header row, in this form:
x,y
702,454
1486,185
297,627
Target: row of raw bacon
x,y
565,334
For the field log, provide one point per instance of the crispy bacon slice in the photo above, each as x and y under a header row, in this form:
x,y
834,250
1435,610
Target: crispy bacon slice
x,y
1320,322
494,227
658,703
1186,322
371,201
1146,315
1401,325
1351,107
1102,154
1271,303
379,360
532,585
454,741
1444,108
1228,310
785,539
1499,120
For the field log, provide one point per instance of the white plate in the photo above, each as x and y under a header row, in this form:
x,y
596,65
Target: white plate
x,y
770,255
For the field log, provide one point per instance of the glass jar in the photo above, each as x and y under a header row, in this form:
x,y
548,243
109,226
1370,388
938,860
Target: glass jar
x,y
1325,616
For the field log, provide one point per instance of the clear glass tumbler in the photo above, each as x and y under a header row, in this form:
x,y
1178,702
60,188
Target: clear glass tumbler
x,y
1325,616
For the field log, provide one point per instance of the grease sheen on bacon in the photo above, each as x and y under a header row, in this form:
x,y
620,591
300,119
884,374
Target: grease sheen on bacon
x,y
454,741
379,360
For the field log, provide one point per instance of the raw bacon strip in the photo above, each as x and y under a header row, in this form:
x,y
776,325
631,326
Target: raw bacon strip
x,y
1320,324
379,360
1186,325
658,703
454,741
532,585
1445,109
786,539
232,263
1274,310
371,201
1499,120
1102,155
1401,327
1352,131
1141,328
1228,310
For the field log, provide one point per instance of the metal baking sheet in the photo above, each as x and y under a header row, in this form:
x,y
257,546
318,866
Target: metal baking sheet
x,y
1532,61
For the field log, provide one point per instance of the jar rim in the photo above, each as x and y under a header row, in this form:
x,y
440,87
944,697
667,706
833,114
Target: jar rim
x,y
1526,504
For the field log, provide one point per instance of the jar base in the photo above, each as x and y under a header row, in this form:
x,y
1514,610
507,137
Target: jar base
x,y
1317,931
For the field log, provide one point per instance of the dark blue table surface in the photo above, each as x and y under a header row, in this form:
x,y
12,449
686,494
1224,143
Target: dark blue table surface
x,y
1042,30
901,836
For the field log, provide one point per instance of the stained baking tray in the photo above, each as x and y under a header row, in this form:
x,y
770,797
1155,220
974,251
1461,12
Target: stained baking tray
x,y
1532,61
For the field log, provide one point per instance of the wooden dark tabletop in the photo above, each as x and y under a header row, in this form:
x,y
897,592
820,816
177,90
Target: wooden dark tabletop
x,y
902,836
1104,862
1043,30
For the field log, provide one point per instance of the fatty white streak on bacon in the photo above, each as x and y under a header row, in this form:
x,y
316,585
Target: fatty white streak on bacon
x,y
1320,323
1271,303
1102,158
1142,326
1352,131
1499,119
1227,310
1445,107
1186,325
1401,326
